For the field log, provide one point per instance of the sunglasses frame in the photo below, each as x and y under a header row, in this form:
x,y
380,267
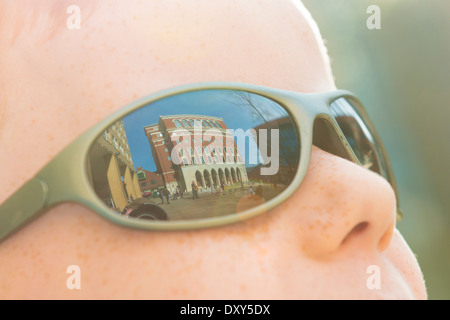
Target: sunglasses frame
x,y
47,189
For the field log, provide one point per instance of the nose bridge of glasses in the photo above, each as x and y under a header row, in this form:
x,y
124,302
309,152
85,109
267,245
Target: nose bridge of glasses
x,y
306,105
330,96
328,136
303,108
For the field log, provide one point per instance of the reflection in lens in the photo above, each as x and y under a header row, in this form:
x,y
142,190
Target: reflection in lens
x,y
359,136
195,155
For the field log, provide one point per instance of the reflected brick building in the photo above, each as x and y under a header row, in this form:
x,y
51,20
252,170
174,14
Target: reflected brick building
x,y
149,182
205,171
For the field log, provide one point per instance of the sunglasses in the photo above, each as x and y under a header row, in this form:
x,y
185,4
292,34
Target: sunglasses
x,y
200,155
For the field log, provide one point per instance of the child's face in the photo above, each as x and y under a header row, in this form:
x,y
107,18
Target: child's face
x,y
308,247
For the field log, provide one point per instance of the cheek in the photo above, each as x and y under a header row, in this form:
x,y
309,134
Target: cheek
x,y
402,257
40,254
120,262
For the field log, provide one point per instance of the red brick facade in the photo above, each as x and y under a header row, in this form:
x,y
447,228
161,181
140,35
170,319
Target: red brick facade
x,y
160,134
149,181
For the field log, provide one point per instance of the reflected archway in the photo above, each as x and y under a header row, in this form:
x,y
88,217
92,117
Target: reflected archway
x,y
221,177
227,176
238,174
207,177
233,175
199,179
215,179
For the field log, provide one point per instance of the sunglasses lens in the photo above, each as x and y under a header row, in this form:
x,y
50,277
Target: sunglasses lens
x,y
357,131
195,155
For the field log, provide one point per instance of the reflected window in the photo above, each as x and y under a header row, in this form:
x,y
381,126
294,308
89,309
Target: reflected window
x,y
185,123
177,124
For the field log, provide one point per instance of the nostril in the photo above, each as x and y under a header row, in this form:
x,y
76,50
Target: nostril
x,y
358,229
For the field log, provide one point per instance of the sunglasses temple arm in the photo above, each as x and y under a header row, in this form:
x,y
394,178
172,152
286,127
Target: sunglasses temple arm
x,y
22,206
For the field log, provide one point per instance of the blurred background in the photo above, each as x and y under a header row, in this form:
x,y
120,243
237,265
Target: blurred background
x,y
402,74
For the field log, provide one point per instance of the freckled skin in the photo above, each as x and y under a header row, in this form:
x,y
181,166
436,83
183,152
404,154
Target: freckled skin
x,y
316,245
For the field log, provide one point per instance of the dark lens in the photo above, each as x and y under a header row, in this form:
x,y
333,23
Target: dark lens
x,y
359,136
195,155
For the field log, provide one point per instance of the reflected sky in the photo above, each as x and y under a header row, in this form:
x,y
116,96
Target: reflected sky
x,y
238,110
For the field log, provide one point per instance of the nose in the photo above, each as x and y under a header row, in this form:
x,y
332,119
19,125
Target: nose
x,y
341,205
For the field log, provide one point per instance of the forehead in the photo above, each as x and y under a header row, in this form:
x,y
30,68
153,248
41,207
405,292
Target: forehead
x,y
183,32
127,49
174,20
